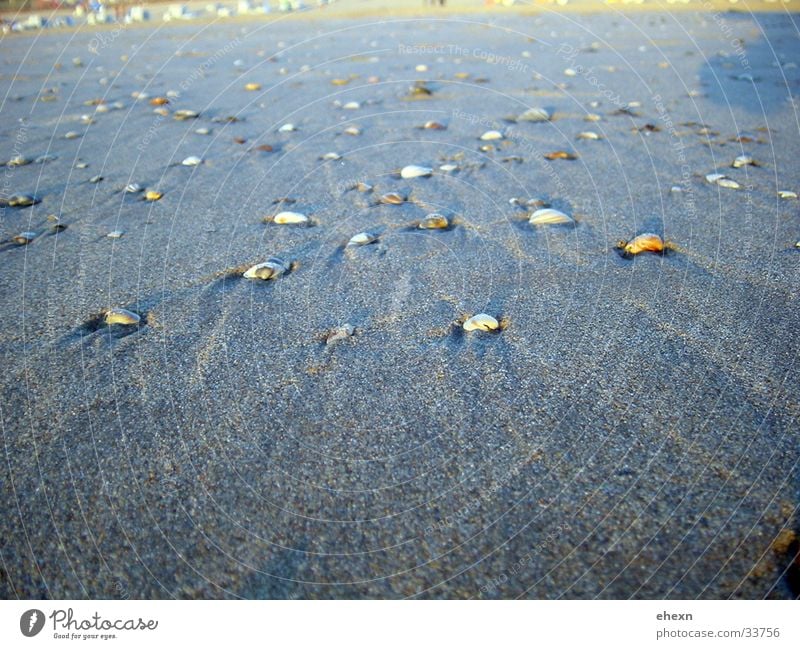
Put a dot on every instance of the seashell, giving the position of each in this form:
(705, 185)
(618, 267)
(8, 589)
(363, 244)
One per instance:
(23, 238)
(115, 234)
(743, 161)
(415, 171)
(461, 75)
(434, 126)
(363, 187)
(161, 111)
(185, 114)
(71, 135)
(352, 130)
(419, 90)
(549, 216)
(351, 105)
(331, 156)
(271, 269)
(252, 87)
(81, 165)
(287, 128)
(434, 222)
(362, 239)
(23, 200)
(42, 159)
(592, 117)
(289, 218)
(340, 82)
(492, 135)
(152, 195)
(392, 198)
(714, 178)
(159, 101)
(588, 135)
(448, 168)
(728, 183)
(95, 179)
(18, 161)
(339, 333)
(785, 193)
(421, 68)
(481, 322)
(121, 317)
(191, 161)
(535, 115)
(647, 242)
(133, 188)
(202, 131)
(560, 155)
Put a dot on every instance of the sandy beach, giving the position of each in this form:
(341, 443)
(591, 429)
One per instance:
(630, 430)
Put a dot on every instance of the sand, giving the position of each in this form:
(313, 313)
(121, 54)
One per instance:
(632, 431)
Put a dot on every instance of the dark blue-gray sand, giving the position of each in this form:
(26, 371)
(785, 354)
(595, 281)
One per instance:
(629, 429)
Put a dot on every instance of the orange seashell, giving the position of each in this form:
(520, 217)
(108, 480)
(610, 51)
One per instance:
(647, 242)
(159, 101)
(560, 155)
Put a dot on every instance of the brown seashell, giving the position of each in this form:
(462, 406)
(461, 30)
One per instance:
(159, 101)
(392, 198)
(560, 155)
(647, 242)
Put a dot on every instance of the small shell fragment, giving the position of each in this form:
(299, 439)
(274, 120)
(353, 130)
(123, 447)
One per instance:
(415, 171)
(588, 135)
(560, 155)
(786, 194)
(481, 322)
(492, 135)
(331, 155)
(647, 242)
(743, 161)
(434, 222)
(24, 238)
(549, 216)
(289, 218)
(271, 269)
(728, 183)
(191, 161)
(115, 234)
(185, 114)
(339, 333)
(361, 239)
(448, 168)
(535, 115)
(392, 198)
(121, 317)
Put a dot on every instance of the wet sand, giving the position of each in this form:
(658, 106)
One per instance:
(632, 431)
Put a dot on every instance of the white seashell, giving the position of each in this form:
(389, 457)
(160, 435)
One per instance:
(289, 218)
(287, 128)
(351, 105)
(549, 216)
(352, 130)
(743, 161)
(784, 193)
(535, 115)
(448, 168)
(727, 183)
(122, 317)
(115, 234)
(434, 222)
(202, 131)
(421, 68)
(592, 117)
(588, 135)
(332, 155)
(133, 188)
(714, 178)
(570, 72)
(71, 135)
(361, 239)
(415, 171)
(191, 161)
(492, 135)
(271, 269)
(482, 322)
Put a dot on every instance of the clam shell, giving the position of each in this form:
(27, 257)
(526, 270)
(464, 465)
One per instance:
(133, 188)
(535, 115)
(159, 101)
(121, 317)
(415, 171)
(252, 87)
(271, 269)
(18, 161)
(287, 128)
(728, 183)
(492, 135)
(202, 131)
(448, 168)
(361, 239)
(23, 238)
(71, 135)
(153, 195)
(191, 161)
(392, 198)
(332, 155)
(434, 222)
(549, 216)
(743, 161)
(784, 193)
(115, 234)
(352, 130)
(289, 218)
(22, 200)
(481, 322)
(592, 117)
(352, 105)
(434, 126)
(185, 114)
(647, 242)
(560, 155)
(588, 135)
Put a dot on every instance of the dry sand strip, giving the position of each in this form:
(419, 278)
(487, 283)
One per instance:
(524, 397)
